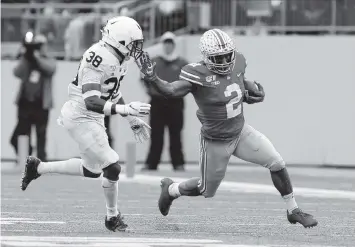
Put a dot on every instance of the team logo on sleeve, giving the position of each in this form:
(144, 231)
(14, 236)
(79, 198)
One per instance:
(210, 78)
(212, 81)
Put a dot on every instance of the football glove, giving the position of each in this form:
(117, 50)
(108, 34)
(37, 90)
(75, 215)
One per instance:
(256, 95)
(146, 67)
(141, 129)
(136, 109)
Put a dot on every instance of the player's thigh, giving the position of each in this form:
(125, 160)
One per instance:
(214, 159)
(256, 148)
(93, 144)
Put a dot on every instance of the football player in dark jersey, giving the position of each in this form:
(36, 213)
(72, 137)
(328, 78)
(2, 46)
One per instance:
(219, 89)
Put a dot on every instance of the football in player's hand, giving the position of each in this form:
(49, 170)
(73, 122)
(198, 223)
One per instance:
(254, 92)
(251, 86)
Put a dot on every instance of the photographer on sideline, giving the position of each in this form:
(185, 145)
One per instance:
(34, 100)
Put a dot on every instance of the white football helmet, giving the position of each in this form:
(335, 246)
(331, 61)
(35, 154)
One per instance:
(124, 34)
(218, 51)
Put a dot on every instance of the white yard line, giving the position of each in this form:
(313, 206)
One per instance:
(119, 242)
(16, 220)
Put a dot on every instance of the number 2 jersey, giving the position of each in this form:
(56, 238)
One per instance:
(219, 99)
(98, 66)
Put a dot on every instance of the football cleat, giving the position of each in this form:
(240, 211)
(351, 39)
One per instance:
(165, 199)
(304, 219)
(30, 172)
(116, 223)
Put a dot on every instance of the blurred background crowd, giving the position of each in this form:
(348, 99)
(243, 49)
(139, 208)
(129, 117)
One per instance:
(71, 26)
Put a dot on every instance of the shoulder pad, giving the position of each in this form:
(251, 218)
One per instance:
(100, 59)
(193, 72)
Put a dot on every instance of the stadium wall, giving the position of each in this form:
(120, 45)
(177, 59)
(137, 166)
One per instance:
(308, 111)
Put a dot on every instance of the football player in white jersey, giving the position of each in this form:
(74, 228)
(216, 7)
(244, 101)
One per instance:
(93, 94)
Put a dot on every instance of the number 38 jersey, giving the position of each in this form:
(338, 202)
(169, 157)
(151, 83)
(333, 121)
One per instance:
(97, 66)
(219, 99)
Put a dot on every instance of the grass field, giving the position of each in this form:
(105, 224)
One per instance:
(246, 211)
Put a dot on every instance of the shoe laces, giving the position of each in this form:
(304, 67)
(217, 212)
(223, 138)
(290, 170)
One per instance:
(119, 220)
(301, 213)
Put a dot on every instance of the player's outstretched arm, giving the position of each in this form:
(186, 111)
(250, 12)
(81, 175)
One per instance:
(176, 89)
(91, 93)
(96, 104)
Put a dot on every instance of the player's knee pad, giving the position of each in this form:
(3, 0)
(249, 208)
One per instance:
(89, 174)
(277, 164)
(112, 172)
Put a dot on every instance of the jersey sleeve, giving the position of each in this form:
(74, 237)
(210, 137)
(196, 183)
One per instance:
(91, 81)
(190, 74)
(91, 76)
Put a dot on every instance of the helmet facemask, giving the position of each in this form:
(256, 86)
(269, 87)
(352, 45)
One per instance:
(135, 48)
(220, 63)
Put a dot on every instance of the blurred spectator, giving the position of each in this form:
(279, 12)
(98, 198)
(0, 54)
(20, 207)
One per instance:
(124, 12)
(258, 28)
(166, 112)
(46, 24)
(15, 1)
(171, 16)
(73, 39)
(345, 15)
(167, 7)
(308, 13)
(34, 100)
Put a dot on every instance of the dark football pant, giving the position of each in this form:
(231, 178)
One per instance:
(166, 113)
(31, 114)
(251, 146)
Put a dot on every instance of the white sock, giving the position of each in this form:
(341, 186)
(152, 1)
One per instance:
(290, 202)
(174, 190)
(111, 195)
(69, 167)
